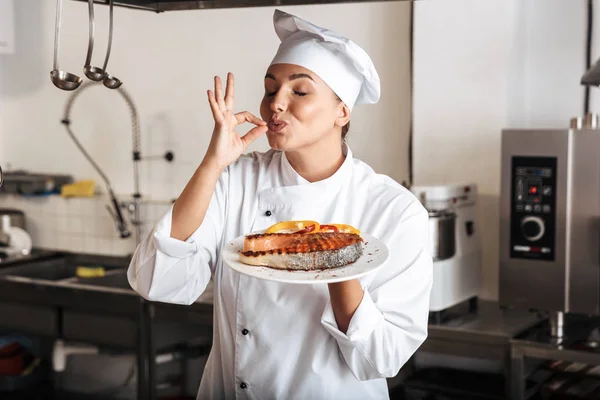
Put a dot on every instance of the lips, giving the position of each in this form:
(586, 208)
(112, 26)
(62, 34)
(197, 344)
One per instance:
(276, 125)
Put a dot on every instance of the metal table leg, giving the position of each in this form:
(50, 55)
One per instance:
(150, 351)
(506, 372)
(142, 358)
(146, 357)
(517, 372)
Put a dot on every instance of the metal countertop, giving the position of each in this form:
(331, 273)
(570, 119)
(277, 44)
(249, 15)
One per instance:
(489, 324)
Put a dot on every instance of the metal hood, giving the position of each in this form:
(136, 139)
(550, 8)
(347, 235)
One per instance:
(179, 5)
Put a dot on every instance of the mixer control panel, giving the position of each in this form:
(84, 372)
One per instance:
(533, 208)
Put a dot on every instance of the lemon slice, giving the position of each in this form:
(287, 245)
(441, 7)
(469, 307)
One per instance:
(292, 226)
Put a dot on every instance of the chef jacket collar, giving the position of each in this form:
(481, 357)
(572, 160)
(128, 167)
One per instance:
(292, 178)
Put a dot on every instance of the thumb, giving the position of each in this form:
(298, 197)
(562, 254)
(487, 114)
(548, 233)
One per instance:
(253, 134)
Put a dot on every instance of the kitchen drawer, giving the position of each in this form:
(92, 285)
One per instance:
(37, 320)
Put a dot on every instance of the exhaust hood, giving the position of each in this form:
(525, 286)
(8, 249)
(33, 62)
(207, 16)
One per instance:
(179, 5)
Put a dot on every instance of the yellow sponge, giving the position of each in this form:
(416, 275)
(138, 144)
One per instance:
(78, 189)
(89, 272)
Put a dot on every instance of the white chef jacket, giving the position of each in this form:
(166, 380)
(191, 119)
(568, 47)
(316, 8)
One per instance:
(276, 340)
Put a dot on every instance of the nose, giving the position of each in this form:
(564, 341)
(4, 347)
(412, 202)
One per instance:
(278, 102)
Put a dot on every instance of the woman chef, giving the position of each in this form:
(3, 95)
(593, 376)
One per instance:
(284, 341)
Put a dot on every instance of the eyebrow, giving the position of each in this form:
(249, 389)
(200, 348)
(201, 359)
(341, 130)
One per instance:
(292, 77)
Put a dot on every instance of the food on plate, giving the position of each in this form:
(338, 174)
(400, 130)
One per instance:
(310, 227)
(339, 228)
(299, 251)
(303, 245)
(294, 227)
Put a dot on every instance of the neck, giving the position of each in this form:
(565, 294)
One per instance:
(318, 161)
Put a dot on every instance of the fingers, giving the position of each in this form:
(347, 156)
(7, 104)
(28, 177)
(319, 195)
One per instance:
(253, 134)
(245, 116)
(229, 90)
(214, 107)
(222, 106)
(219, 94)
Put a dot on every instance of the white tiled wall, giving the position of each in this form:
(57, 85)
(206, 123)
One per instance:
(81, 225)
(170, 97)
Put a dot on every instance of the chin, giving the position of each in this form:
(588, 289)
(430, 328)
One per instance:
(278, 141)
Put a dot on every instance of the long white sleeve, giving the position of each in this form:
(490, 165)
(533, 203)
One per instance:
(391, 321)
(169, 270)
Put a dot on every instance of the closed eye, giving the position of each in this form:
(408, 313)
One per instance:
(297, 93)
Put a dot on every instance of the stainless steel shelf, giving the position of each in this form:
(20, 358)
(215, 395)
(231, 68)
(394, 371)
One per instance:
(580, 344)
(181, 5)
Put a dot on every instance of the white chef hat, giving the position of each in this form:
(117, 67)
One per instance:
(342, 64)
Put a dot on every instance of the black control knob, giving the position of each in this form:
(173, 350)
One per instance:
(533, 228)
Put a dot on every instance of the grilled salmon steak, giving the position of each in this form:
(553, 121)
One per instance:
(291, 251)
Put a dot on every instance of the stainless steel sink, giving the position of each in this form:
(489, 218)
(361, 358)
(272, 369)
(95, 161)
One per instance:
(64, 270)
(116, 279)
(58, 270)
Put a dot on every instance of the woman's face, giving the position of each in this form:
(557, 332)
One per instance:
(299, 108)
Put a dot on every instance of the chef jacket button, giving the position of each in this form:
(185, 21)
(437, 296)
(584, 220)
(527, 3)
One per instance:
(243, 385)
(245, 332)
(268, 213)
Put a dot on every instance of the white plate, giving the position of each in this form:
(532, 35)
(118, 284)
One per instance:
(375, 253)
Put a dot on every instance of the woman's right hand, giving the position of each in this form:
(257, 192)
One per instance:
(226, 145)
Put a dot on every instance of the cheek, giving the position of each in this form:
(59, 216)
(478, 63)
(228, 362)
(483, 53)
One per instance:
(308, 112)
(265, 111)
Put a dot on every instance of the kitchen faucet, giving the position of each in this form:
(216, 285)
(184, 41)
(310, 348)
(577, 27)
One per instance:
(145, 356)
(133, 207)
(115, 212)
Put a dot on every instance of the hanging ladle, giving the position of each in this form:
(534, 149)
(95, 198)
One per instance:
(94, 73)
(61, 79)
(110, 81)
